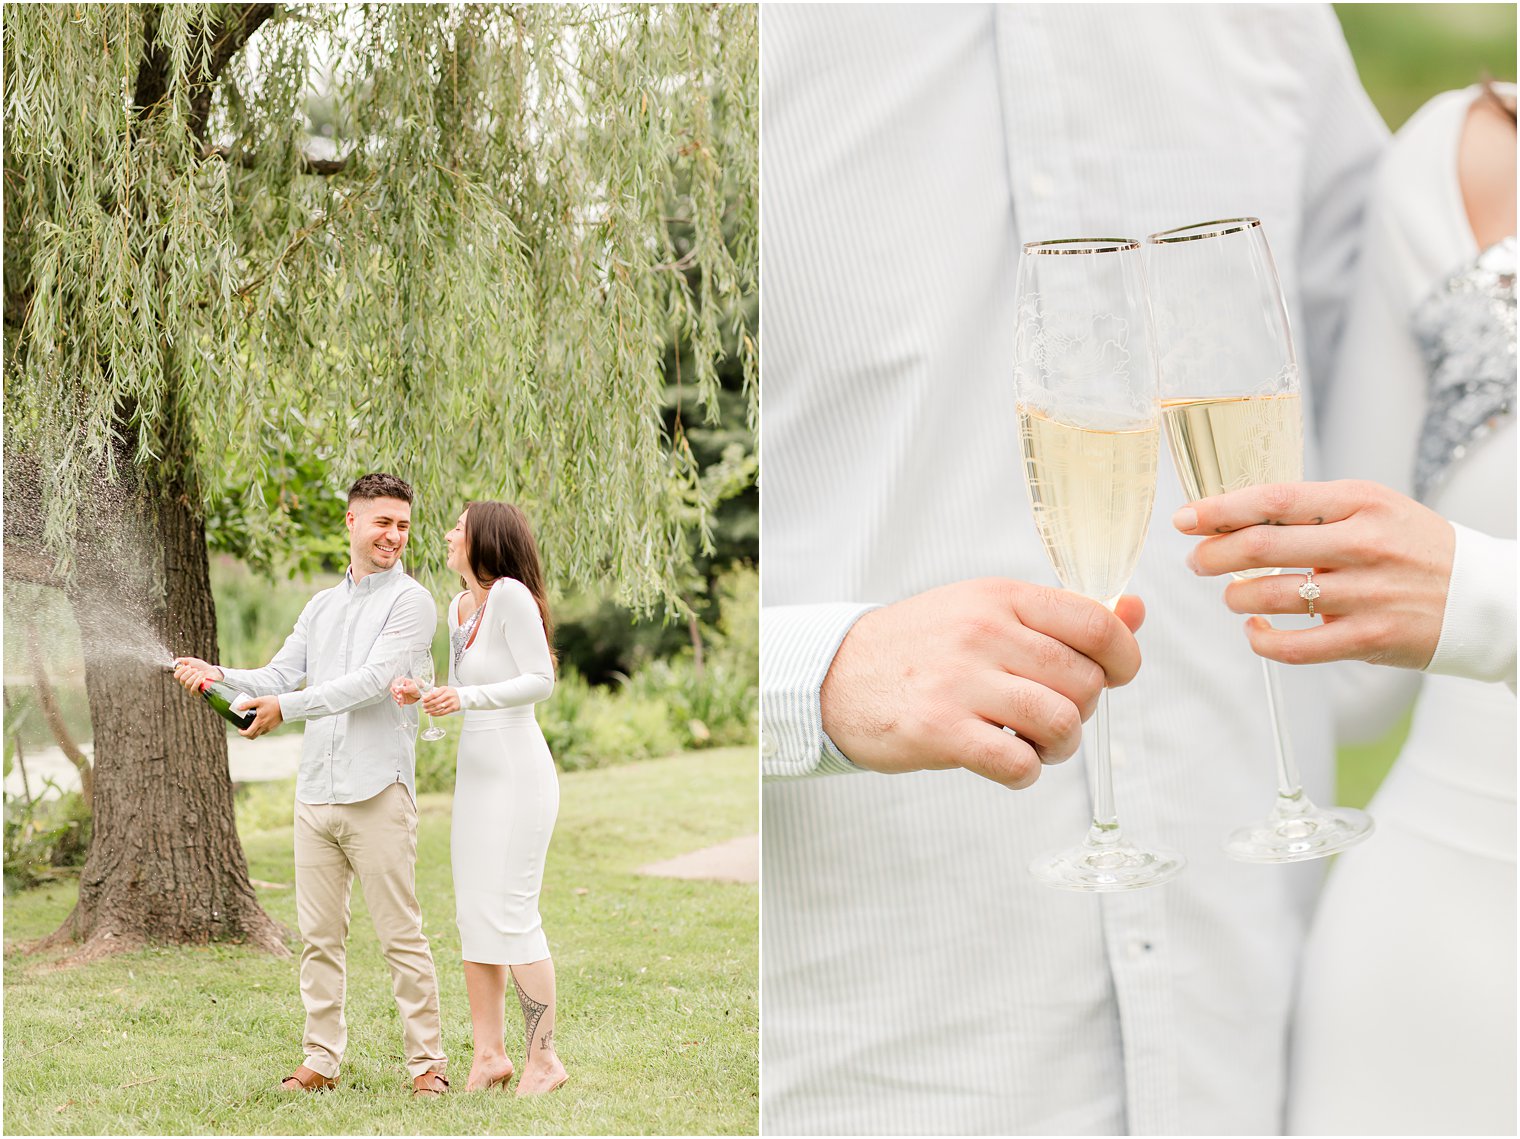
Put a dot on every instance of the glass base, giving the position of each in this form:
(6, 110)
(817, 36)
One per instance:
(1108, 867)
(1299, 831)
(434, 734)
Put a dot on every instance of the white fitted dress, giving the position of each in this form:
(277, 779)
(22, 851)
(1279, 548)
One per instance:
(1405, 1022)
(506, 790)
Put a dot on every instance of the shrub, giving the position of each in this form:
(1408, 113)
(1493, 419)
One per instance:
(44, 838)
(587, 726)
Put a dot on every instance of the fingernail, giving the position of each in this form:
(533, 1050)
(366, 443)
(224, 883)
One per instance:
(1186, 519)
(1191, 560)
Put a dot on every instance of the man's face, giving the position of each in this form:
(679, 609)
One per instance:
(377, 532)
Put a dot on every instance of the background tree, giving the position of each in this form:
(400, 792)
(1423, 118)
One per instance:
(467, 278)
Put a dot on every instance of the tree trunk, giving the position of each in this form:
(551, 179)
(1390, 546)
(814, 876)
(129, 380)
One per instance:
(165, 864)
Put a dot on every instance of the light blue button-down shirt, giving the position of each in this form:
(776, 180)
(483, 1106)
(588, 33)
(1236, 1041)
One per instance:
(345, 647)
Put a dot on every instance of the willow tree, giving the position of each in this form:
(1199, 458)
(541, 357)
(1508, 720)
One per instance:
(466, 277)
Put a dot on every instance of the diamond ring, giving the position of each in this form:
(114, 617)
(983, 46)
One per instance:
(1309, 591)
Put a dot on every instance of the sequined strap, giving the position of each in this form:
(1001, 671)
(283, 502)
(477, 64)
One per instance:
(1466, 331)
(462, 636)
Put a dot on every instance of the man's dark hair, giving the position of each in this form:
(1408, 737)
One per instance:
(379, 486)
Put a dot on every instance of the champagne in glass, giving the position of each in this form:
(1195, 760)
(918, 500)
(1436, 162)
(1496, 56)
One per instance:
(1230, 403)
(1088, 433)
(1232, 442)
(1091, 492)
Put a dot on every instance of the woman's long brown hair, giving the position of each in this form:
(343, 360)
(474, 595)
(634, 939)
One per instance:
(499, 543)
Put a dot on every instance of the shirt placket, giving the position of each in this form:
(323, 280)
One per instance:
(351, 613)
(1041, 125)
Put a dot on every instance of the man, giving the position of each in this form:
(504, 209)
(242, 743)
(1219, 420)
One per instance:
(917, 979)
(356, 807)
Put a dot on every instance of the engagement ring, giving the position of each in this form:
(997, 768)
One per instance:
(1309, 591)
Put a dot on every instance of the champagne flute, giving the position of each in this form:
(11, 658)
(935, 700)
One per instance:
(401, 670)
(1086, 386)
(422, 673)
(1230, 405)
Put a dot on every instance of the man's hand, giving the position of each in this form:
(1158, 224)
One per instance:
(441, 702)
(930, 682)
(266, 718)
(405, 691)
(192, 672)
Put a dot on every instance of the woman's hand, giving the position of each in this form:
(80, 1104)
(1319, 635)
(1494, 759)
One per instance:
(1382, 562)
(405, 691)
(441, 702)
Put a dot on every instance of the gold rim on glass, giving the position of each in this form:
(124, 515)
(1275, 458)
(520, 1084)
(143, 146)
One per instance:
(1189, 232)
(1098, 244)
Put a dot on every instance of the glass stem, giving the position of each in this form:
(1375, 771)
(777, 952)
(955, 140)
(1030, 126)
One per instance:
(1105, 824)
(1290, 790)
(427, 720)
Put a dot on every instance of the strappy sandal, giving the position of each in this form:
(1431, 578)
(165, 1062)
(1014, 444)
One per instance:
(303, 1079)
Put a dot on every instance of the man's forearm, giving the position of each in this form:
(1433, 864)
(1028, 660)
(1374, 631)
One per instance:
(409, 629)
(358, 689)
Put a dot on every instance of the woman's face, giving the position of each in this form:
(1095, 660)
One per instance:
(459, 560)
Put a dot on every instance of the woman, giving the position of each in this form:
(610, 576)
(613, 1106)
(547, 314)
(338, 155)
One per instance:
(1405, 1021)
(506, 793)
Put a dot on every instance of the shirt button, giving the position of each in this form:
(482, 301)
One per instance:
(767, 745)
(1117, 756)
(1041, 184)
(1137, 948)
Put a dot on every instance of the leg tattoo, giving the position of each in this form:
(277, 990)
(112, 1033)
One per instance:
(532, 1010)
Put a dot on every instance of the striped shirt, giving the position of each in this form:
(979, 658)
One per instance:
(349, 643)
(916, 979)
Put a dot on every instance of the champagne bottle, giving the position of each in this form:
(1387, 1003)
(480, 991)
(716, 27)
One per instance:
(222, 696)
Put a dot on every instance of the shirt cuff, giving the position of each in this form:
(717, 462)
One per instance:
(293, 706)
(1478, 626)
(798, 643)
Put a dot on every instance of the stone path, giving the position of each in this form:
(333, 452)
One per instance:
(273, 757)
(737, 860)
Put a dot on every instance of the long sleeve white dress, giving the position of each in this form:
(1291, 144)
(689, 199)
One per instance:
(1405, 1020)
(506, 790)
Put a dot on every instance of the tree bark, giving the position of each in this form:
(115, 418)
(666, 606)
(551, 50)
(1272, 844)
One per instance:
(165, 863)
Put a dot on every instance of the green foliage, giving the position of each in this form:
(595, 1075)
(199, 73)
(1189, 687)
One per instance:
(44, 838)
(586, 726)
(472, 286)
(303, 508)
(1407, 53)
(253, 617)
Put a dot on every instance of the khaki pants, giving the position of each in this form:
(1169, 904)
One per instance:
(377, 840)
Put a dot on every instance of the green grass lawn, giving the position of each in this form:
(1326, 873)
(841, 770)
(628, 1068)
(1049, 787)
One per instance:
(657, 1021)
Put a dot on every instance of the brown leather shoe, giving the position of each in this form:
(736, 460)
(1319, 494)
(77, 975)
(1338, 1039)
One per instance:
(429, 1083)
(305, 1080)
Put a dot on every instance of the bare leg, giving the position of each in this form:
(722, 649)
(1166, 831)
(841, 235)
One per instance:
(487, 987)
(535, 991)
